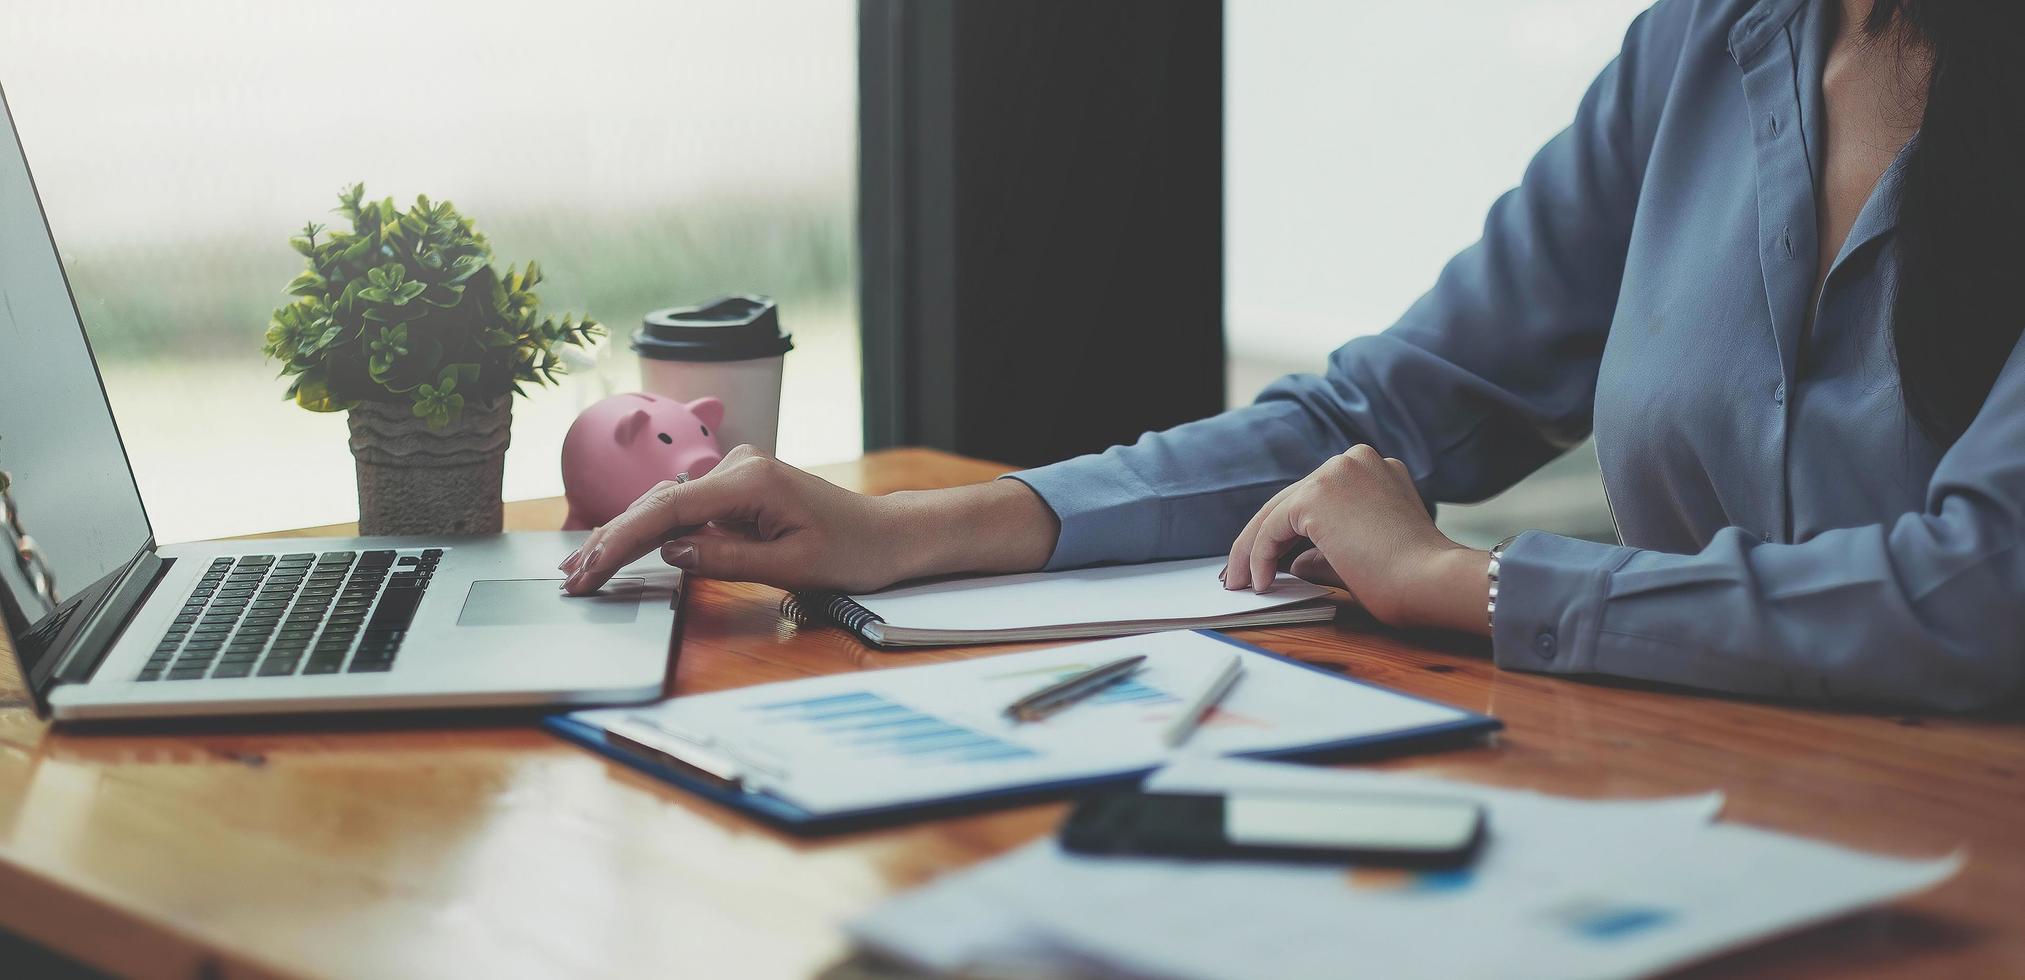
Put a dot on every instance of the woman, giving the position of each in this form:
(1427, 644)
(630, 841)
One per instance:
(1771, 265)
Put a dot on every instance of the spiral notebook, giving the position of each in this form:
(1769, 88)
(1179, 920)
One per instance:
(1115, 600)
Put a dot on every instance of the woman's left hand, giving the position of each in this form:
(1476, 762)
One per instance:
(1372, 536)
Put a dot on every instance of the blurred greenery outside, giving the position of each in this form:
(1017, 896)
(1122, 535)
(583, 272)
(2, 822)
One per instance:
(211, 297)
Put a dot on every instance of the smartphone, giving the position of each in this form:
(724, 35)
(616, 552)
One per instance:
(1399, 830)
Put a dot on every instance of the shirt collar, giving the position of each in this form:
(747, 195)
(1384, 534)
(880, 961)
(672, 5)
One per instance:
(1880, 212)
(1759, 25)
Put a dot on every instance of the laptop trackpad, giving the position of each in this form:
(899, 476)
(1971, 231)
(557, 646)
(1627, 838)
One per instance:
(538, 602)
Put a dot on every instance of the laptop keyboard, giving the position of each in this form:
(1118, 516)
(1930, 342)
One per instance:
(300, 614)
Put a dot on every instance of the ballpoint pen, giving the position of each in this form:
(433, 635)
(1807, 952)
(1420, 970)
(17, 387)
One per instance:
(1068, 691)
(1185, 723)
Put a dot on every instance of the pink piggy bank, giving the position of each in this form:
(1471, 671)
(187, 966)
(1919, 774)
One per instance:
(621, 447)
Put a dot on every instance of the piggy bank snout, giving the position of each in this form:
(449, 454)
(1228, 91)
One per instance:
(700, 463)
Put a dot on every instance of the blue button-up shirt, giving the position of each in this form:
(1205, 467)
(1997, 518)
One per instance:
(1787, 529)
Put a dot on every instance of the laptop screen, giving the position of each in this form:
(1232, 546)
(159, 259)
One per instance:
(71, 490)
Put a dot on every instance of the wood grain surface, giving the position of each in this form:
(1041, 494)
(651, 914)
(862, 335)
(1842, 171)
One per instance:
(478, 846)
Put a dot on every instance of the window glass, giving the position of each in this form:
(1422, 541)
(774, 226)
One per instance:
(1363, 145)
(645, 154)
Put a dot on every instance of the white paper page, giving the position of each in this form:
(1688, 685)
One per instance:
(1172, 590)
(1564, 889)
(853, 741)
(1208, 918)
(1219, 775)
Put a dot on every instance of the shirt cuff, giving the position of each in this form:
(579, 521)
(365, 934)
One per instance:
(1551, 592)
(1107, 513)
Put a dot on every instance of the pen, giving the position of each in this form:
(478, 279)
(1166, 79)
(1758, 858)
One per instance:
(1184, 724)
(1069, 690)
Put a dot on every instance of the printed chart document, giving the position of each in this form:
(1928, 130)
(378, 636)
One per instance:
(1564, 889)
(884, 738)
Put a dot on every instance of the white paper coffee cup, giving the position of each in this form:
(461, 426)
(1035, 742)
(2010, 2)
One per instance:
(732, 348)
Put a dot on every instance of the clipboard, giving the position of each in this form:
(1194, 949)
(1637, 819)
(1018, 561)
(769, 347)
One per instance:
(697, 764)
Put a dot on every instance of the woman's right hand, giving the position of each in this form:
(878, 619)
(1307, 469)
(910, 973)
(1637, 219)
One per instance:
(756, 519)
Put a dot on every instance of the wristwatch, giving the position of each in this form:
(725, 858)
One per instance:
(1497, 556)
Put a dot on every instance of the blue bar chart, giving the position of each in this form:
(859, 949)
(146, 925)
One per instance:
(879, 727)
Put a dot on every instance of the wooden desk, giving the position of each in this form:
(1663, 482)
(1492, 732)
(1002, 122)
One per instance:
(484, 849)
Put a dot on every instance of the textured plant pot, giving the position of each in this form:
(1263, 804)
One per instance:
(418, 480)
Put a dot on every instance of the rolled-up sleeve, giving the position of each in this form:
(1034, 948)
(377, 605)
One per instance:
(1485, 378)
(1923, 610)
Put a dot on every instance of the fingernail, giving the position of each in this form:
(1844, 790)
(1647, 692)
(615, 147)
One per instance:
(1221, 573)
(570, 584)
(591, 560)
(568, 564)
(679, 554)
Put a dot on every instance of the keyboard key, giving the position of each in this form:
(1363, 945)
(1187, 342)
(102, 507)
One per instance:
(370, 666)
(276, 668)
(397, 609)
(149, 675)
(322, 667)
(234, 669)
(185, 675)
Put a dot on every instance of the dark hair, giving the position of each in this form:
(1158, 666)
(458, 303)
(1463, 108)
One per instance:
(1961, 221)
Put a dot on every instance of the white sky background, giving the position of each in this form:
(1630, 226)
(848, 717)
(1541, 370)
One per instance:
(1365, 141)
(259, 111)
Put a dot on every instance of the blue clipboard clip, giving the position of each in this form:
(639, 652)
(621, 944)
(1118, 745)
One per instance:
(692, 752)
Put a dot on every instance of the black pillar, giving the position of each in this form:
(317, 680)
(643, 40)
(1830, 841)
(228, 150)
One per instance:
(1041, 222)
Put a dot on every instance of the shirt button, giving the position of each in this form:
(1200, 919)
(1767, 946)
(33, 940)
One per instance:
(1544, 645)
(1779, 394)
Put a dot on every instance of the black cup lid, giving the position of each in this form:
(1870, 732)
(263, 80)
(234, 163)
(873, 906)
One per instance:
(728, 328)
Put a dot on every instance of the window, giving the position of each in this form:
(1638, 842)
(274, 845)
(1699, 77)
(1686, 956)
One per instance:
(1363, 144)
(646, 154)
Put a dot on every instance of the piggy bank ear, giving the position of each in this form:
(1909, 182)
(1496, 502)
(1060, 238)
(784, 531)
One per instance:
(710, 410)
(631, 426)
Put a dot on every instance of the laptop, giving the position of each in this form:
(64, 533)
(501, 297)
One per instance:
(105, 624)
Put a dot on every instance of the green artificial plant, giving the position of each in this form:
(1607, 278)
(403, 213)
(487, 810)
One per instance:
(406, 307)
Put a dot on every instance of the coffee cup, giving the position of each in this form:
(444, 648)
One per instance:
(731, 348)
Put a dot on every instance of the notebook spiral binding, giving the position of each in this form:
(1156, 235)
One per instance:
(803, 608)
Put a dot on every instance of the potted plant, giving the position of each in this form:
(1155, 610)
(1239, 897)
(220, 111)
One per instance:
(404, 323)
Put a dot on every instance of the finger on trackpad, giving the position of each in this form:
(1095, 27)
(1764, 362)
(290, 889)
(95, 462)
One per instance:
(535, 602)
